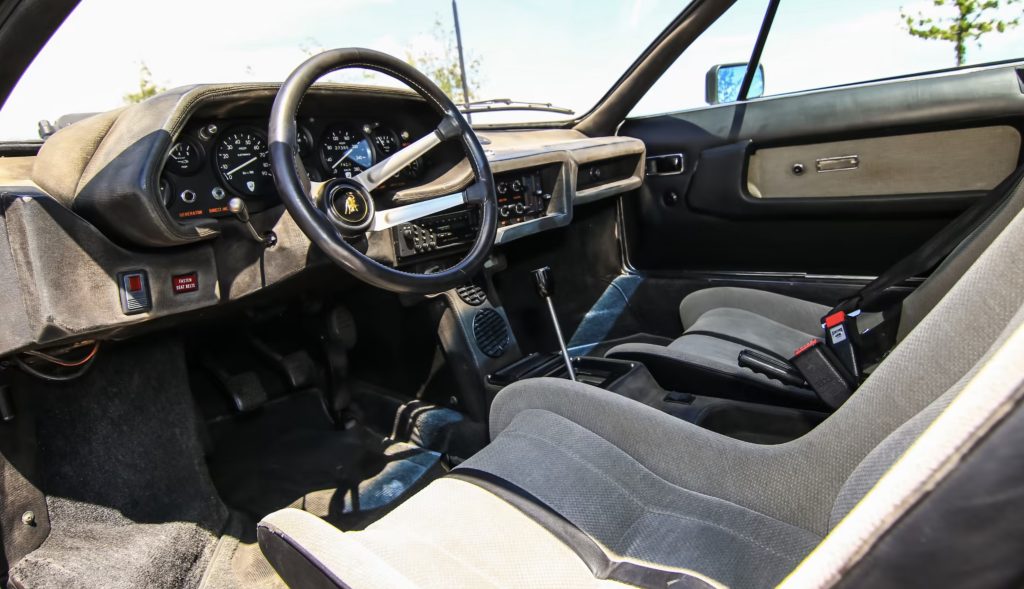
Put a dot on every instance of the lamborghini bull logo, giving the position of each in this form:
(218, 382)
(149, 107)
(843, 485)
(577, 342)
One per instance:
(351, 205)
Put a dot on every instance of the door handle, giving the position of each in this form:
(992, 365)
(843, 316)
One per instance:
(665, 165)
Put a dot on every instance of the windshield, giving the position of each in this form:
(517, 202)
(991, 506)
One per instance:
(109, 52)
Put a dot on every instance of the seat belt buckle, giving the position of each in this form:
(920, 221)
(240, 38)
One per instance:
(839, 329)
(820, 367)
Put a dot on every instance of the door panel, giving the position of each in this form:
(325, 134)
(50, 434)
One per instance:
(708, 219)
(961, 160)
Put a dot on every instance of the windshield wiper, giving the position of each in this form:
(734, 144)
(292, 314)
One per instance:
(496, 104)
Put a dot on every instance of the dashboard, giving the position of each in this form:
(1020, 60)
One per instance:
(142, 192)
(216, 159)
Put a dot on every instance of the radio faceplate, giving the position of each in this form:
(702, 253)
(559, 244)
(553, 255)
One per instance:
(436, 233)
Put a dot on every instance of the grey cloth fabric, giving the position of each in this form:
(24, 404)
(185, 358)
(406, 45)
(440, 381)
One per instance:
(754, 328)
(781, 309)
(635, 513)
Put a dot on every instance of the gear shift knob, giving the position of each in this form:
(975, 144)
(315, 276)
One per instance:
(545, 282)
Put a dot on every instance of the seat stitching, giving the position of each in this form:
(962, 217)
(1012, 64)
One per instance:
(643, 507)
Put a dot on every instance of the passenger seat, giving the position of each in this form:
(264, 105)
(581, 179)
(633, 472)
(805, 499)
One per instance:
(720, 322)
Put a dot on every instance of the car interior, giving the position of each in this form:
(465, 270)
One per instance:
(316, 334)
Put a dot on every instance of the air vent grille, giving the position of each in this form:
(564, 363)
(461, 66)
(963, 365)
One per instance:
(472, 294)
(491, 332)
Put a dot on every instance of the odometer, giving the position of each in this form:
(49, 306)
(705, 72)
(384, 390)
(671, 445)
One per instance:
(345, 151)
(243, 163)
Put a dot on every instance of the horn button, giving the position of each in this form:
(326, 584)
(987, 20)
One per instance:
(349, 206)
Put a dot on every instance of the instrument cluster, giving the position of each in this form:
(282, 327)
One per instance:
(213, 161)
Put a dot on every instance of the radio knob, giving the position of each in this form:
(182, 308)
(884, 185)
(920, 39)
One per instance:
(503, 211)
(520, 208)
(502, 188)
(517, 185)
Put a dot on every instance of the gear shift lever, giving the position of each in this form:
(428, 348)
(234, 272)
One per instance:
(545, 288)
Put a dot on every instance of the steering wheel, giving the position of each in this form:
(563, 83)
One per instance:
(329, 212)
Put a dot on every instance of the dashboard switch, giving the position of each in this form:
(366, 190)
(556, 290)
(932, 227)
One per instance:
(133, 287)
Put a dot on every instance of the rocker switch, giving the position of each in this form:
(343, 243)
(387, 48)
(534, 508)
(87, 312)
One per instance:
(134, 292)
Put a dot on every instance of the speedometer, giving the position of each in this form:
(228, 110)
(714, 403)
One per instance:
(242, 161)
(345, 151)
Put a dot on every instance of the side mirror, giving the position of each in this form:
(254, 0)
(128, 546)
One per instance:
(723, 82)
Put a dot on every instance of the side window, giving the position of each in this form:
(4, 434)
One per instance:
(814, 44)
(728, 41)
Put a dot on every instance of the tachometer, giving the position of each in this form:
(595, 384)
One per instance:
(242, 161)
(345, 150)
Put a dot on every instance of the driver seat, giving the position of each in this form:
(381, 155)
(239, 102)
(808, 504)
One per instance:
(581, 487)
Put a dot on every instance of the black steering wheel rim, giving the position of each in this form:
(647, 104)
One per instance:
(286, 165)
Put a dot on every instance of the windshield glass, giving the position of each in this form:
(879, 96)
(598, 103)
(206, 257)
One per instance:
(109, 52)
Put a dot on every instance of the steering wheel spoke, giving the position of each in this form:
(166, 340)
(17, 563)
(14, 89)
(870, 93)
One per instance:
(383, 170)
(417, 210)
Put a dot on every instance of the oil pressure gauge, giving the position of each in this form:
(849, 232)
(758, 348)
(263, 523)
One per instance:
(185, 158)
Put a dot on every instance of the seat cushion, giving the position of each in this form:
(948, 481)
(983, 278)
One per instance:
(633, 512)
(788, 311)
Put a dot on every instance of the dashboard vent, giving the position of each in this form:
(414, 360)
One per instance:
(490, 332)
(472, 294)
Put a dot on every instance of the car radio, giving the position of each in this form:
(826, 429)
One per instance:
(523, 195)
(436, 233)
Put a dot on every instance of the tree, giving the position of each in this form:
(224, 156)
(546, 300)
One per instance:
(965, 25)
(443, 66)
(147, 88)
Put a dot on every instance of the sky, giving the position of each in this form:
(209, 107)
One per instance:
(568, 52)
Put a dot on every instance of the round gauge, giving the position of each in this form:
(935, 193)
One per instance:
(304, 140)
(243, 163)
(345, 151)
(385, 141)
(184, 159)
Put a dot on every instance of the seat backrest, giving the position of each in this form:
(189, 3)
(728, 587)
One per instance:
(920, 302)
(951, 342)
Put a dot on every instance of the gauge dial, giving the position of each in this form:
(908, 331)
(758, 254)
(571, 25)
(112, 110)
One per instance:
(185, 158)
(345, 151)
(304, 140)
(242, 161)
(385, 141)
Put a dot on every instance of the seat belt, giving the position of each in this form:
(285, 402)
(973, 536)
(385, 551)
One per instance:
(835, 369)
(858, 350)
(933, 251)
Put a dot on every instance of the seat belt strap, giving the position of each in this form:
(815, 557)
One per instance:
(933, 251)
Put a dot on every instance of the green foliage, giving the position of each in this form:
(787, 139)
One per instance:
(443, 67)
(966, 24)
(147, 88)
